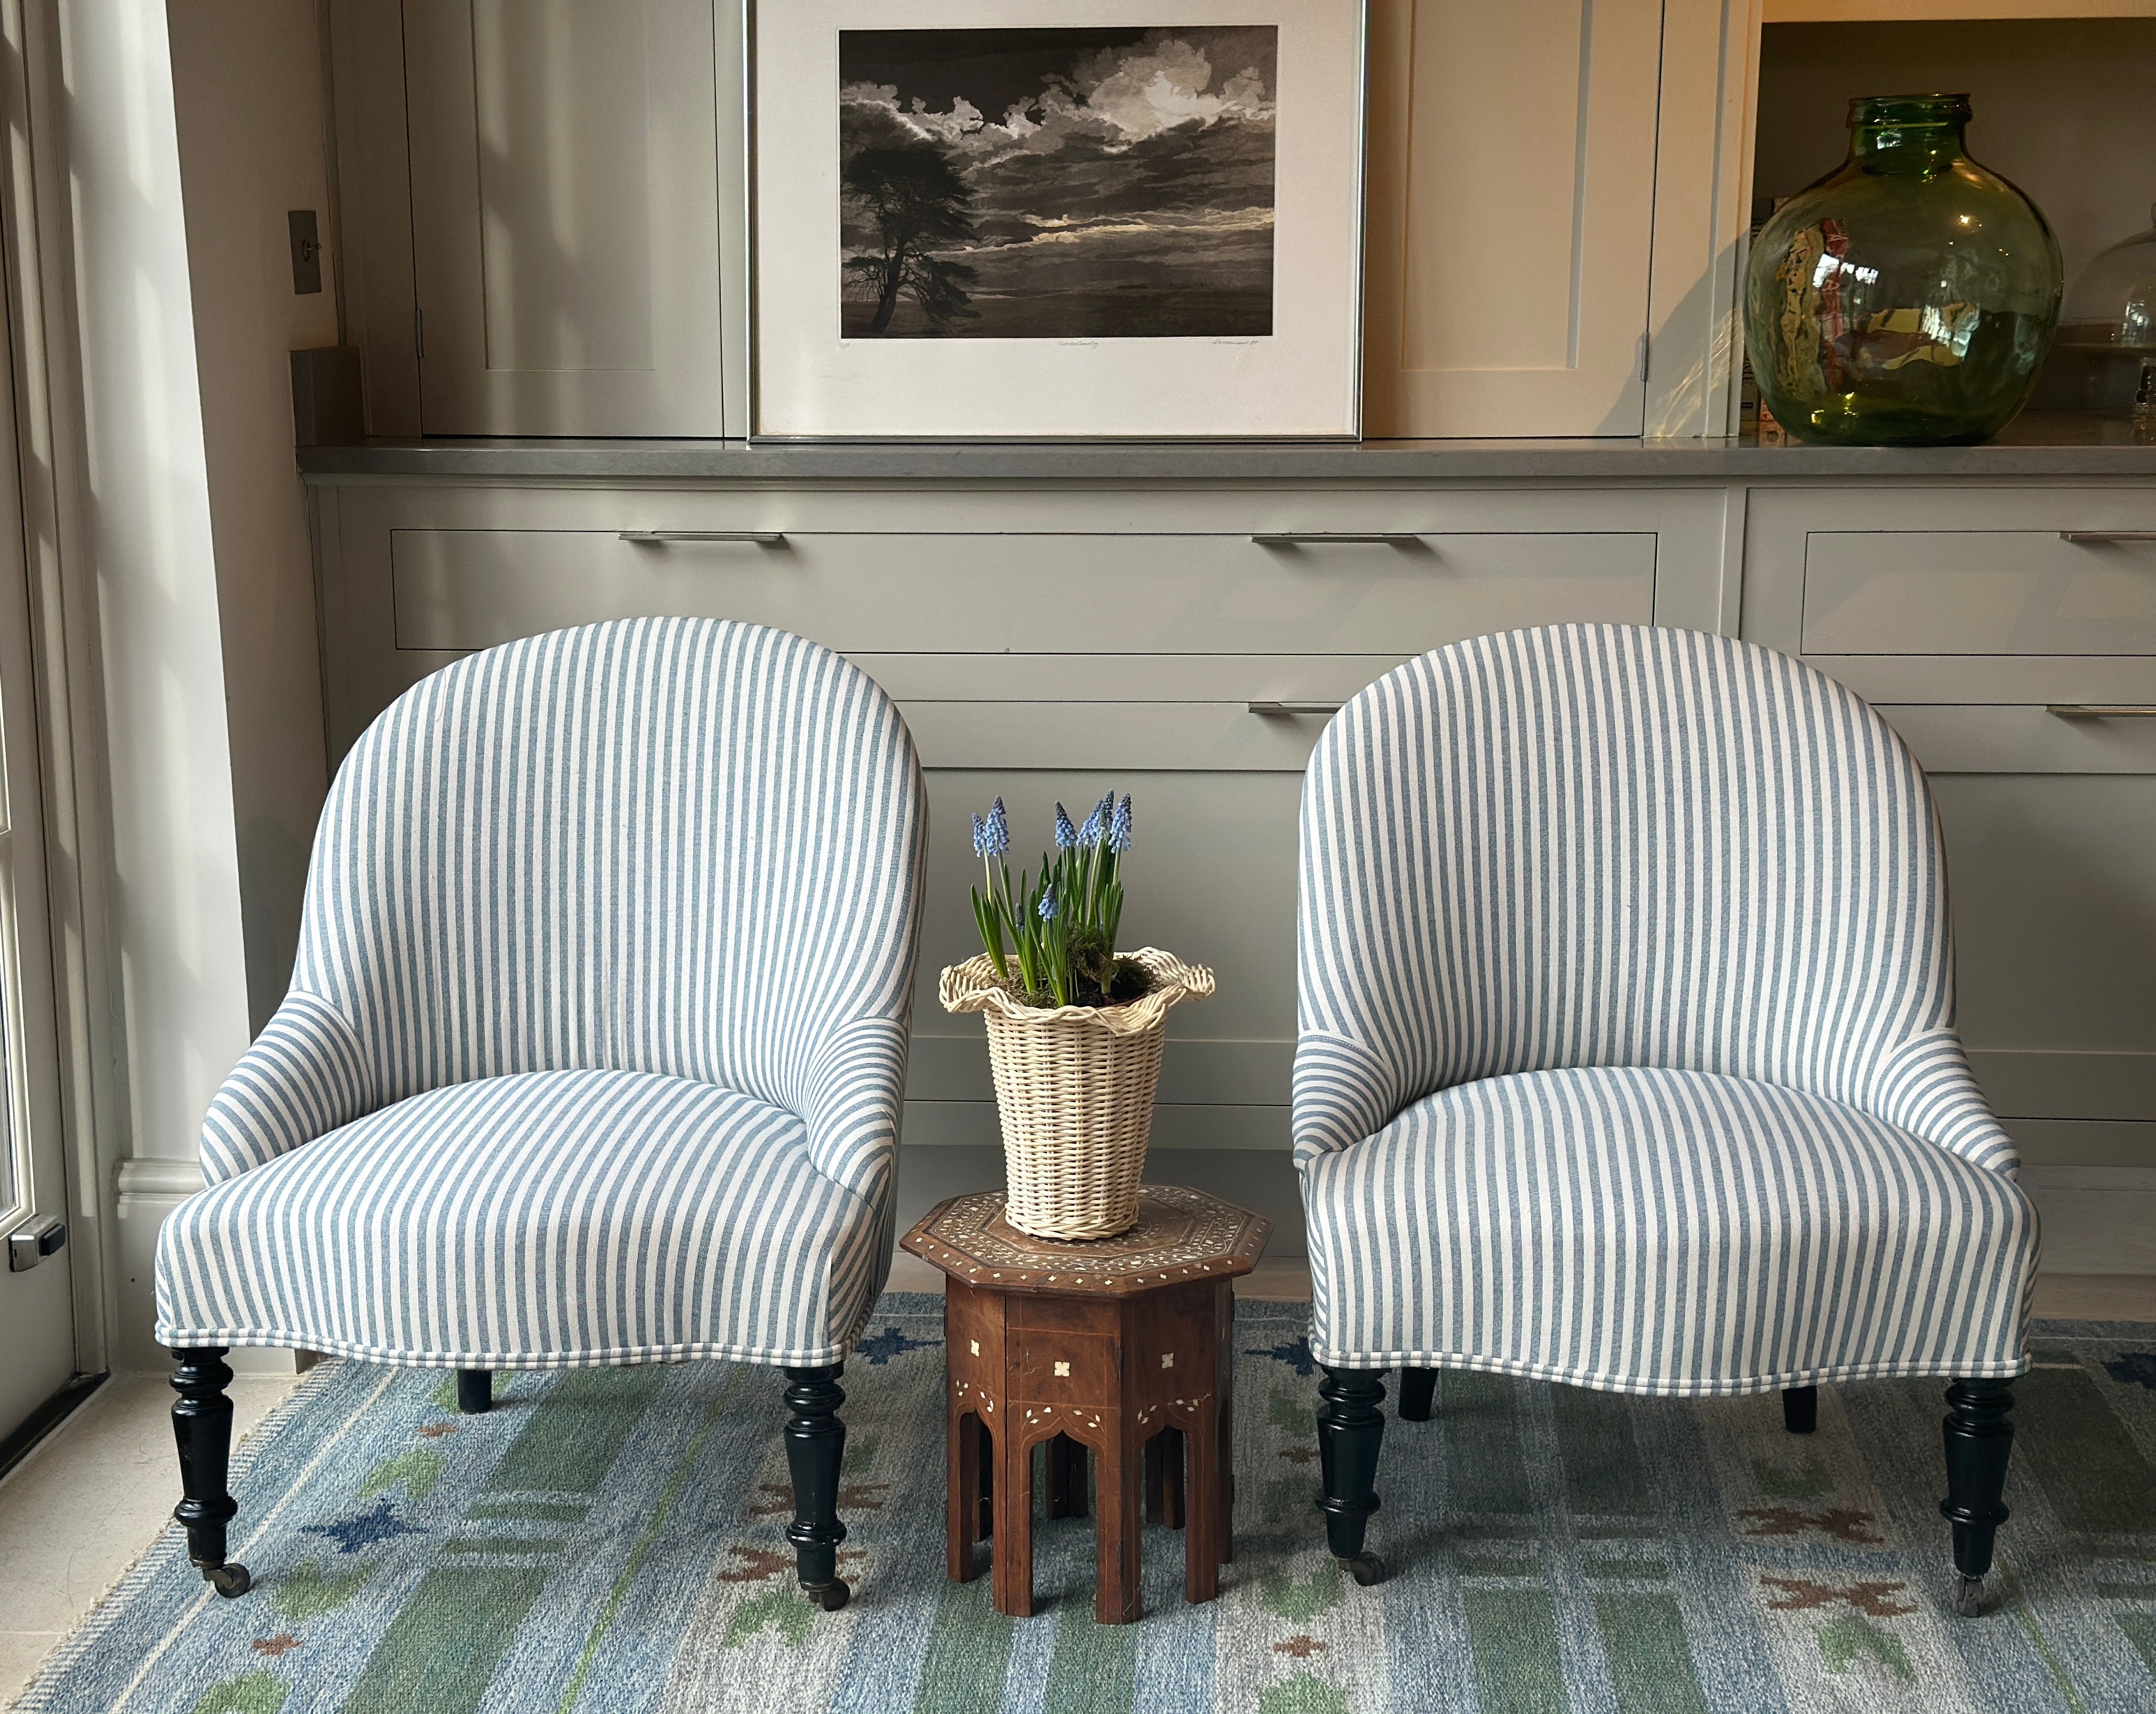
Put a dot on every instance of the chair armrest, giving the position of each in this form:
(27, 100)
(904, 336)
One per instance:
(856, 1084)
(1343, 1092)
(1926, 1088)
(305, 1075)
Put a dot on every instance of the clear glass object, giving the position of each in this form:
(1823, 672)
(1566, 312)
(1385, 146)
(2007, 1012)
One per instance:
(2110, 323)
(1908, 298)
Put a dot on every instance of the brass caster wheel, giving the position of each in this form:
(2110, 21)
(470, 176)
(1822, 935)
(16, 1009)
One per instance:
(830, 1596)
(1969, 1596)
(1366, 1568)
(230, 1580)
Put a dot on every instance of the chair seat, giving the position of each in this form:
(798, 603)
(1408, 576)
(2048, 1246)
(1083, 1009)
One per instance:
(1669, 1232)
(547, 1219)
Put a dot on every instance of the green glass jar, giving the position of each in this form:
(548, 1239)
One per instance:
(1909, 297)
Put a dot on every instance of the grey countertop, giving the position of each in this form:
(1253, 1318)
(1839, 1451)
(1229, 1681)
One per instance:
(2040, 443)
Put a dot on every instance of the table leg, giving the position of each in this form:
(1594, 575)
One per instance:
(1201, 1542)
(966, 1506)
(1013, 1554)
(1165, 1500)
(1224, 1393)
(1115, 1593)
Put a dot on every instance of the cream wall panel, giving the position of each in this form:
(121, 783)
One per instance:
(565, 216)
(1511, 198)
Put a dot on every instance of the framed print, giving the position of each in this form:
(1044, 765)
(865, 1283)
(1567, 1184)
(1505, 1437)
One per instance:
(992, 220)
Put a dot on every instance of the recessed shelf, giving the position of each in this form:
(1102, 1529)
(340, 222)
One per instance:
(1948, 11)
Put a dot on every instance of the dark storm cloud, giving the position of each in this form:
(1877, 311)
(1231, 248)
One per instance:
(1123, 163)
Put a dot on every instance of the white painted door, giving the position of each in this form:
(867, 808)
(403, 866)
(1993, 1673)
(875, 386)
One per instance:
(37, 1299)
(1512, 203)
(565, 215)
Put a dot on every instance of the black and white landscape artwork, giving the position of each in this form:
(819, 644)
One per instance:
(1056, 183)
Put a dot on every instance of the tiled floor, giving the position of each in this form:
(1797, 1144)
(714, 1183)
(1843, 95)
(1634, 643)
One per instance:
(78, 1510)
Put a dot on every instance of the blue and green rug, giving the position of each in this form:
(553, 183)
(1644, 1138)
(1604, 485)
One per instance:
(611, 1541)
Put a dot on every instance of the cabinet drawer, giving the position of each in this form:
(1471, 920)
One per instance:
(1979, 591)
(2012, 739)
(1194, 594)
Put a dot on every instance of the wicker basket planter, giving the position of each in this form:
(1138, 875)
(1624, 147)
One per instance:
(1073, 1091)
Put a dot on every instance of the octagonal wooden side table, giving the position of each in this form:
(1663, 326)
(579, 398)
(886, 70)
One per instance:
(1124, 1347)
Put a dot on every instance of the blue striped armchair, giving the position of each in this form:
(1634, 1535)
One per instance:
(593, 1048)
(1626, 1054)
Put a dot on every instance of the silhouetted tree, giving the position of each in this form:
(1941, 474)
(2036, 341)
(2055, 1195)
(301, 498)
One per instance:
(917, 200)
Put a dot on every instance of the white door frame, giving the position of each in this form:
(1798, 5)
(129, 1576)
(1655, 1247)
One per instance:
(43, 443)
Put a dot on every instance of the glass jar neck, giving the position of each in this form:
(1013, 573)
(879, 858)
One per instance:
(1917, 135)
(1897, 146)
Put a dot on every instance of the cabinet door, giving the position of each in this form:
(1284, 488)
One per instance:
(565, 215)
(1511, 200)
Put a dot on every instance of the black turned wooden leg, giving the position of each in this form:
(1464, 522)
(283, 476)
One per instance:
(1979, 1439)
(1350, 1429)
(1418, 1387)
(815, 1445)
(201, 1423)
(475, 1391)
(1801, 1410)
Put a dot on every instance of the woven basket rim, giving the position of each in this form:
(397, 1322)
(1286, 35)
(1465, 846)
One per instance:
(974, 987)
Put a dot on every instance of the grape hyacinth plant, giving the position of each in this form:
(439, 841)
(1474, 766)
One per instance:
(1060, 928)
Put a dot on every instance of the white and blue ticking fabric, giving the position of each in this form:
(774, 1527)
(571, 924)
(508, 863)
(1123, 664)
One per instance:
(596, 1032)
(1626, 1050)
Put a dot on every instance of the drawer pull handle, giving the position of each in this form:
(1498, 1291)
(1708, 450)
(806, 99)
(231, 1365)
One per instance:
(1275, 709)
(2102, 711)
(1329, 538)
(659, 538)
(2098, 537)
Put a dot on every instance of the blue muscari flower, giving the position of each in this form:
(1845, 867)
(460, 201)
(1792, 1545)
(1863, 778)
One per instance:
(990, 837)
(1094, 831)
(1119, 830)
(1066, 835)
(1048, 906)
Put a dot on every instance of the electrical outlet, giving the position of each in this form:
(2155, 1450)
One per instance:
(306, 251)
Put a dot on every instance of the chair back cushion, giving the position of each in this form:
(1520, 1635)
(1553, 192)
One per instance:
(682, 846)
(1593, 845)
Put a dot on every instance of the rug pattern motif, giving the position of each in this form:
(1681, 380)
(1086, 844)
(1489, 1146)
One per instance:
(613, 1540)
